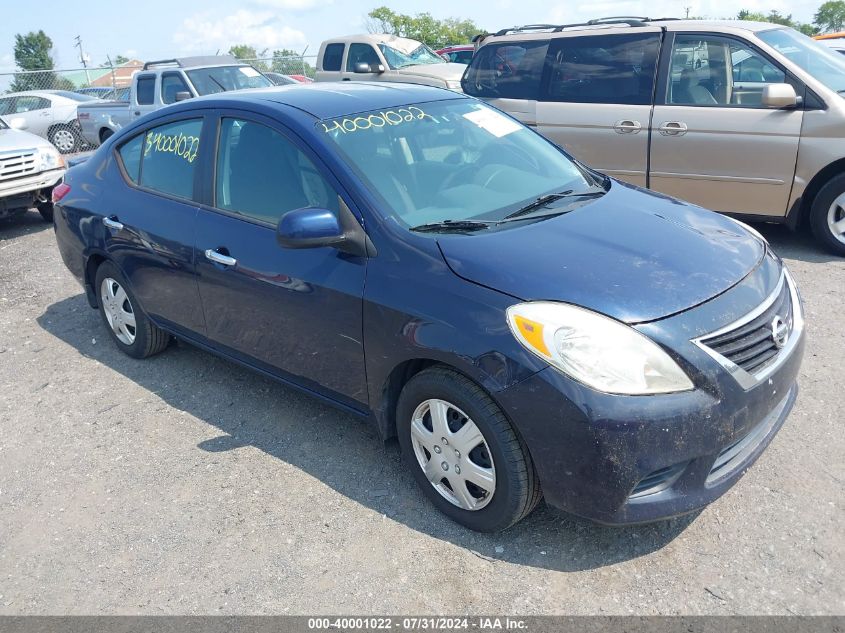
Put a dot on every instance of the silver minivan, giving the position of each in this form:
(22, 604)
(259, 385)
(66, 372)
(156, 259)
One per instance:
(741, 117)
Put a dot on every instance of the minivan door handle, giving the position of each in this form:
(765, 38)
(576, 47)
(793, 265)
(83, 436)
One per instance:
(219, 258)
(673, 128)
(112, 223)
(627, 126)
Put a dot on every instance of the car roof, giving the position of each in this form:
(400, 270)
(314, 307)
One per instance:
(376, 38)
(34, 93)
(327, 100)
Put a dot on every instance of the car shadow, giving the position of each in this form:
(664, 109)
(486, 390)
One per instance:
(26, 224)
(342, 451)
(799, 244)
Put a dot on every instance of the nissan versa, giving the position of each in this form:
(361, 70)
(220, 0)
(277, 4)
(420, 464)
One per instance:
(524, 325)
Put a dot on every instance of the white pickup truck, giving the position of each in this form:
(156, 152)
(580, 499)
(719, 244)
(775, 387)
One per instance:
(29, 169)
(381, 57)
(161, 83)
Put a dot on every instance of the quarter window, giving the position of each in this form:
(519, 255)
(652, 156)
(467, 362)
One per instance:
(146, 90)
(130, 156)
(603, 69)
(719, 72)
(262, 175)
(171, 85)
(511, 70)
(332, 57)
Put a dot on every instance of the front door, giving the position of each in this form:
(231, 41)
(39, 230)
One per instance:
(713, 143)
(294, 313)
(596, 99)
(359, 53)
(37, 113)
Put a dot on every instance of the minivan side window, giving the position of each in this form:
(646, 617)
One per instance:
(715, 71)
(333, 57)
(261, 175)
(145, 90)
(617, 69)
(509, 70)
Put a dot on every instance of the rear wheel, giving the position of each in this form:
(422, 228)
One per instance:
(827, 215)
(128, 325)
(464, 453)
(105, 133)
(64, 138)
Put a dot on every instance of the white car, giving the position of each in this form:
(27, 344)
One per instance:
(50, 114)
(29, 169)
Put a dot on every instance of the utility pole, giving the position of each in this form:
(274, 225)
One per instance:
(82, 59)
(687, 9)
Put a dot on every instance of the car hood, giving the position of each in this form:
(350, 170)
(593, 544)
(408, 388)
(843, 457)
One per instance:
(12, 140)
(448, 71)
(632, 254)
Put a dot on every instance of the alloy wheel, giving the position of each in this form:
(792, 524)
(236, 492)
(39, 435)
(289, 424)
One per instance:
(836, 218)
(118, 310)
(453, 454)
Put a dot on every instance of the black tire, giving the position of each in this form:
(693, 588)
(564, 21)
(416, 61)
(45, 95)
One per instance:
(149, 339)
(517, 489)
(105, 133)
(822, 203)
(64, 138)
(46, 211)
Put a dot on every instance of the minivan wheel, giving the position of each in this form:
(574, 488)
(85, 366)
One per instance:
(827, 216)
(463, 452)
(128, 325)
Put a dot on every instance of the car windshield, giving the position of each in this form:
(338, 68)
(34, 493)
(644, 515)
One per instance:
(422, 54)
(456, 160)
(224, 78)
(819, 61)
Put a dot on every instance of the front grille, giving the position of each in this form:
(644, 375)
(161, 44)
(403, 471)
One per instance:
(17, 164)
(751, 345)
(658, 480)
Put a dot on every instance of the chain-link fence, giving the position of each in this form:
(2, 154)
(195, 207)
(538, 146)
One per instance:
(112, 82)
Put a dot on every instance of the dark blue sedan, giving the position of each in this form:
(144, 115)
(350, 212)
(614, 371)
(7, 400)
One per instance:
(524, 326)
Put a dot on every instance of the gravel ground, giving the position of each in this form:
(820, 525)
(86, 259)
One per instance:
(186, 485)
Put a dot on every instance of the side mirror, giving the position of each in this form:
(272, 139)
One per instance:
(183, 95)
(18, 123)
(362, 68)
(779, 96)
(312, 227)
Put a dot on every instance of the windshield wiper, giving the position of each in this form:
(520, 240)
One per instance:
(543, 201)
(452, 225)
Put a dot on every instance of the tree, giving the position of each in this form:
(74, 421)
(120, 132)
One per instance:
(289, 62)
(32, 52)
(422, 26)
(245, 52)
(776, 17)
(831, 16)
(119, 60)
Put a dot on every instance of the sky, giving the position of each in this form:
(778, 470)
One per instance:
(156, 29)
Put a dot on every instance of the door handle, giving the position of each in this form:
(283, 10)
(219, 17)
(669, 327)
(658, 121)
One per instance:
(112, 223)
(219, 258)
(627, 126)
(673, 128)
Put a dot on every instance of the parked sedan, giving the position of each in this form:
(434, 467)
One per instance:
(50, 114)
(524, 325)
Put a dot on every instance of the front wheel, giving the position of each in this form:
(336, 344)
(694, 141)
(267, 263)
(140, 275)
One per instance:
(464, 453)
(128, 325)
(827, 215)
(46, 211)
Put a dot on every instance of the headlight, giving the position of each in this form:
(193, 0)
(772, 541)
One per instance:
(594, 349)
(50, 158)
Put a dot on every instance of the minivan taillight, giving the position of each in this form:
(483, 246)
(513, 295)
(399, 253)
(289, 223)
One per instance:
(60, 191)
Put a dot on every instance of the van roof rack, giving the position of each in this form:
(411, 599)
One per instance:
(608, 21)
(187, 62)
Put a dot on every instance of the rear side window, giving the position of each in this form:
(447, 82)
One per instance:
(510, 70)
(146, 89)
(164, 158)
(333, 57)
(603, 69)
(262, 175)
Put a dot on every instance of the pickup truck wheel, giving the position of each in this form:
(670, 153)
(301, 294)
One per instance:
(64, 138)
(128, 325)
(46, 211)
(105, 133)
(827, 215)
(463, 452)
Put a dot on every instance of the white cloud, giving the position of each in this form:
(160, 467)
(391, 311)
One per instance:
(714, 9)
(206, 33)
(294, 5)
(7, 63)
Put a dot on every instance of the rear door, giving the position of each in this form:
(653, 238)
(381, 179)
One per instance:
(596, 99)
(713, 143)
(145, 95)
(331, 62)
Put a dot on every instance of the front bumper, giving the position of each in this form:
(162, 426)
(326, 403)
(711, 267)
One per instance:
(635, 459)
(18, 187)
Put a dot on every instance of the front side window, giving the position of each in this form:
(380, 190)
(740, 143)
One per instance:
(332, 57)
(415, 54)
(603, 69)
(820, 62)
(510, 70)
(451, 160)
(361, 54)
(719, 72)
(262, 175)
(171, 85)
(224, 78)
(145, 88)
